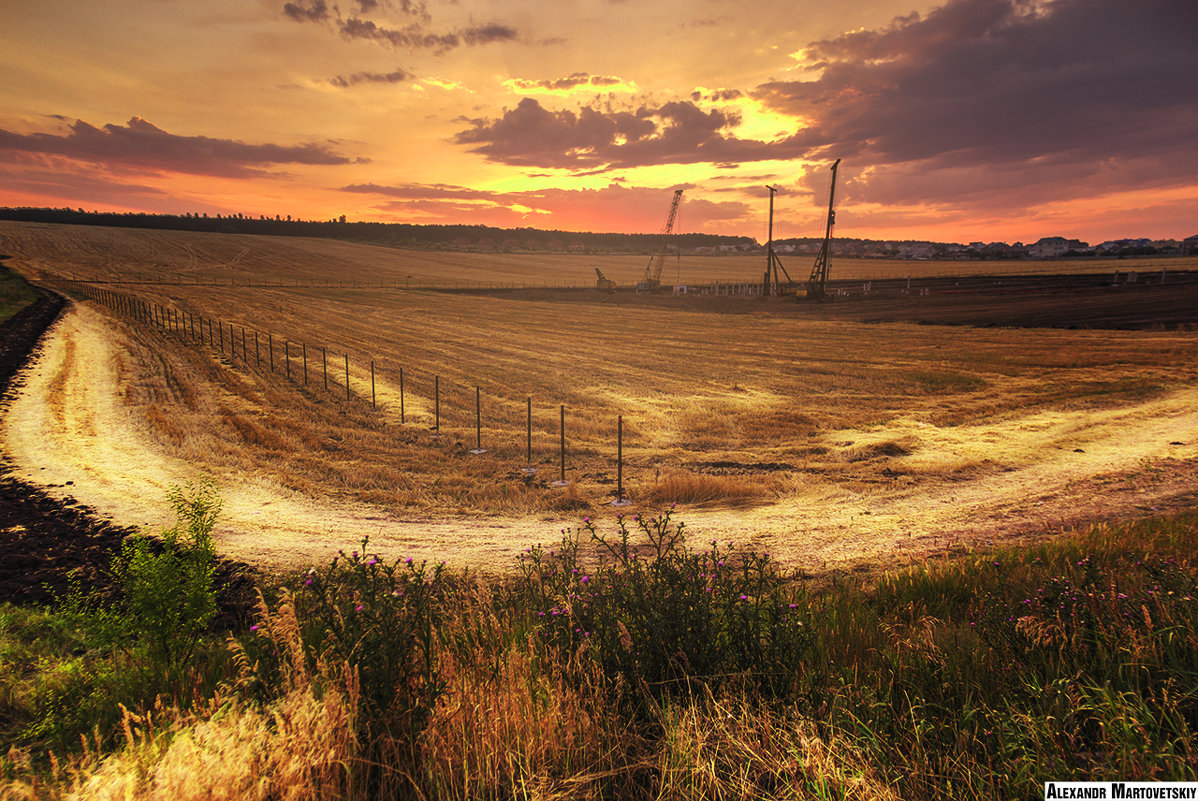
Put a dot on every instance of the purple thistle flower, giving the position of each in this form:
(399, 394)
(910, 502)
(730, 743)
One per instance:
(408, 561)
(358, 608)
(255, 627)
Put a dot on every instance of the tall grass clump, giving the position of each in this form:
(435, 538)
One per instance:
(371, 626)
(632, 664)
(662, 616)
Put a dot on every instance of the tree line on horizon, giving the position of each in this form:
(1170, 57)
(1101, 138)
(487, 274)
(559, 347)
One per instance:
(455, 237)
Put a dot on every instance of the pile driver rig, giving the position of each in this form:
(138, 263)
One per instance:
(817, 284)
(652, 280)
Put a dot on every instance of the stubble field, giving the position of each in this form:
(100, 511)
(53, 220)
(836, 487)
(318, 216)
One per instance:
(828, 440)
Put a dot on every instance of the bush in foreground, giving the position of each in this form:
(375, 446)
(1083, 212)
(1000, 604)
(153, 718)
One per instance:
(657, 672)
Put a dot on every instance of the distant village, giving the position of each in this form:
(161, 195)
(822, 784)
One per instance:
(1049, 247)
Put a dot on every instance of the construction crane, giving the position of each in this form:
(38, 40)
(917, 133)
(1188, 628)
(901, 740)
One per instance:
(817, 285)
(603, 282)
(652, 280)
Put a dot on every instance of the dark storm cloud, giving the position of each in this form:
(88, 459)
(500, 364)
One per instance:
(977, 102)
(572, 81)
(718, 96)
(677, 132)
(421, 191)
(140, 144)
(1090, 92)
(413, 34)
(410, 36)
(307, 10)
(346, 81)
(486, 34)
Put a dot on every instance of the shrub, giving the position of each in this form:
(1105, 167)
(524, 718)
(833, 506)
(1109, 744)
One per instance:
(662, 614)
(166, 595)
(367, 629)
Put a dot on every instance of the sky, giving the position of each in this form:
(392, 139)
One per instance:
(962, 121)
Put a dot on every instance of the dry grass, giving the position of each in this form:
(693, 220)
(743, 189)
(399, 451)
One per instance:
(692, 387)
(94, 252)
(681, 486)
(735, 749)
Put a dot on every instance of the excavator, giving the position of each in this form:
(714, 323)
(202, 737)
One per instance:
(603, 282)
(652, 280)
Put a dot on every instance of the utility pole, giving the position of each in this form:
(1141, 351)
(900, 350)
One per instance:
(769, 283)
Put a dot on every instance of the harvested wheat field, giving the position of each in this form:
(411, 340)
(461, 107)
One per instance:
(826, 441)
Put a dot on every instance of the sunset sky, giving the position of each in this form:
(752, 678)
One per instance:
(957, 121)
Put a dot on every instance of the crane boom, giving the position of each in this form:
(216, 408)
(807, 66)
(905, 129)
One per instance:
(816, 287)
(658, 261)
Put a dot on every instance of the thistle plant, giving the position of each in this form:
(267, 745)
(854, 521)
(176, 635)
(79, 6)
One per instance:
(656, 612)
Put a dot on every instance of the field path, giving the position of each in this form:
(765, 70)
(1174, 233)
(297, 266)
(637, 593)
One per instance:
(69, 424)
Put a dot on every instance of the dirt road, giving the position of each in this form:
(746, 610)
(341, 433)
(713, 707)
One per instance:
(67, 429)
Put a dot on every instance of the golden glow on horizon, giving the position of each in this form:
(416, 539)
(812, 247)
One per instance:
(414, 119)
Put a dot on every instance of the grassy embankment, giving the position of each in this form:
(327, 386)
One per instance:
(667, 671)
(15, 294)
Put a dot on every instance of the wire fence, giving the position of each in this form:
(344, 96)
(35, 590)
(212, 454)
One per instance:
(268, 354)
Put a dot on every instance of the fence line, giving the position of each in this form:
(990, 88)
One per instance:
(185, 325)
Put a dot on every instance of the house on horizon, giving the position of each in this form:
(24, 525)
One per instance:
(1050, 247)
